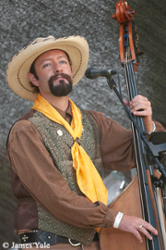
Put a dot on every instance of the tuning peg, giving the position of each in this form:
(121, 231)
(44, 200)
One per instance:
(138, 52)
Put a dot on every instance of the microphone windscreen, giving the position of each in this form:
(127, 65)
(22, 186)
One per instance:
(87, 73)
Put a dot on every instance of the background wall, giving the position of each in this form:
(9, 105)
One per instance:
(22, 21)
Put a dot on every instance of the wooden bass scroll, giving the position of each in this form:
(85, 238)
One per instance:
(140, 197)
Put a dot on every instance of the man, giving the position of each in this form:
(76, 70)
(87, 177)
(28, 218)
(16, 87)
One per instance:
(56, 151)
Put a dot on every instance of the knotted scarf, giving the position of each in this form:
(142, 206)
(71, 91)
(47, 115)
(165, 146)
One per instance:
(88, 178)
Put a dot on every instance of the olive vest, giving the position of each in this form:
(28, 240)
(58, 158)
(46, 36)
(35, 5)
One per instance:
(58, 142)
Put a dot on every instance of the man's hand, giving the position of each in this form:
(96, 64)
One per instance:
(141, 106)
(133, 225)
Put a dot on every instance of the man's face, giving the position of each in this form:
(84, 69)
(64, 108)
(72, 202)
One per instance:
(54, 73)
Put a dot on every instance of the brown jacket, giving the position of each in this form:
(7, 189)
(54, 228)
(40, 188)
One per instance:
(34, 171)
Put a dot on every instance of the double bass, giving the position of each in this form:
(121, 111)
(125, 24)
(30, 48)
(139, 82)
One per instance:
(143, 196)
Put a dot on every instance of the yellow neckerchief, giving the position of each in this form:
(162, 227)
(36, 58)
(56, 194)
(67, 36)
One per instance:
(88, 178)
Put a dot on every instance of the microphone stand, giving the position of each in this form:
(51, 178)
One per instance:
(151, 149)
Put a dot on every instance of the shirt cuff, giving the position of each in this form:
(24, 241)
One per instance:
(109, 218)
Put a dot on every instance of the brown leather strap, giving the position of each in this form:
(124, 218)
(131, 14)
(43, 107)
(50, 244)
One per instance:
(38, 236)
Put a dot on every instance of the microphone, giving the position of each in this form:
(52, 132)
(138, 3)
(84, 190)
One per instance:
(92, 73)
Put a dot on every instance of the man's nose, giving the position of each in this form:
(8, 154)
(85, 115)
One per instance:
(57, 68)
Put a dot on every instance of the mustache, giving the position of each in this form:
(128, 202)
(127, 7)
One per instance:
(55, 77)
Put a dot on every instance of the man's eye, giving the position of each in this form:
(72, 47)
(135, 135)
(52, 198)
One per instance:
(46, 65)
(63, 62)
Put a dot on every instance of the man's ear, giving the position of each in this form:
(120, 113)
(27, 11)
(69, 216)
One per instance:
(33, 80)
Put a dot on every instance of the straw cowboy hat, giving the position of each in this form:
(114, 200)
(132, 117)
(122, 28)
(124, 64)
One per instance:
(18, 68)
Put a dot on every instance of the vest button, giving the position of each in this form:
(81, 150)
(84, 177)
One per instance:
(59, 132)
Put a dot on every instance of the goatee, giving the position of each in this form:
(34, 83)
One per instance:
(63, 88)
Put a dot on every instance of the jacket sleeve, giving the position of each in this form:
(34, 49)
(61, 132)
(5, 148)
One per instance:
(117, 148)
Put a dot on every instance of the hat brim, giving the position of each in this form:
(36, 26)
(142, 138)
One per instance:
(18, 68)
